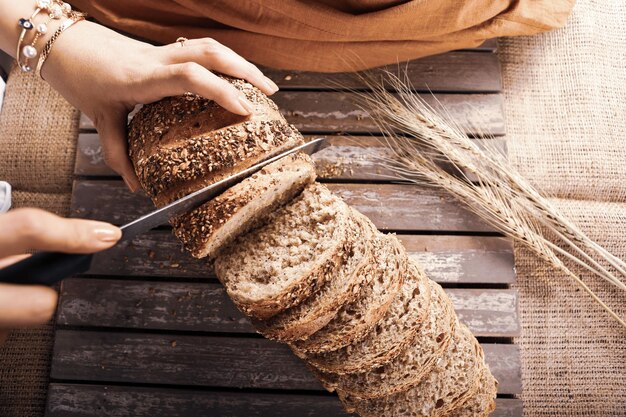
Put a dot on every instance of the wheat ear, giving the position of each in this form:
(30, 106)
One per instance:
(421, 139)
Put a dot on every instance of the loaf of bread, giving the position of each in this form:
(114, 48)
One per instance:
(181, 144)
(305, 267)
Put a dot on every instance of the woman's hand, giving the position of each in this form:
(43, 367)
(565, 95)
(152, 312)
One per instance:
(24, 229)
(105, 74)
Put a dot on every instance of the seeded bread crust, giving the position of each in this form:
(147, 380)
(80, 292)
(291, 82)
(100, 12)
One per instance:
(205, 230)
(452, 381)
(483, 402)
(315, 312)
(410, 367)
(353, 321)
(262, 288)
(391, 336)
(181, 144)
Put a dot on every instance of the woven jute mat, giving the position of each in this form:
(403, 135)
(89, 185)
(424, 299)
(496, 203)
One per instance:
(38, 132)
(565, 103)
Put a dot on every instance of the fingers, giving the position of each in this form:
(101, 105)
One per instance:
(215, 56)
(112, 130)
(176, 79)
(26, 229)
(25, 305)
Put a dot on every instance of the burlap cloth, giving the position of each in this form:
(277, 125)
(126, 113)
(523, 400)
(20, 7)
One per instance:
(38, 131)
(565, 103)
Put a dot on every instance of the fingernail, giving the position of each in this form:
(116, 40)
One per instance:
(271, 85)
(131, 185)
(247, 106)
(108, 235)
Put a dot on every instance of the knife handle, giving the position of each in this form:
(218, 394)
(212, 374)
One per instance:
(45, 268)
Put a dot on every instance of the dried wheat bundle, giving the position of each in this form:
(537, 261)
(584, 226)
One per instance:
(423, 141)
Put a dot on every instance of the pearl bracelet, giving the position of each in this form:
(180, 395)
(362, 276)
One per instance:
(55, 9)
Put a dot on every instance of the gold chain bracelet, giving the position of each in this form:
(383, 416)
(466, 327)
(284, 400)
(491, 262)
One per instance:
(45, 52)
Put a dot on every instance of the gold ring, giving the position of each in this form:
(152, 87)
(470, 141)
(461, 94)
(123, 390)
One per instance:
(182, 41)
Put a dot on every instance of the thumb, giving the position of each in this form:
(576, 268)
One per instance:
(112, 130)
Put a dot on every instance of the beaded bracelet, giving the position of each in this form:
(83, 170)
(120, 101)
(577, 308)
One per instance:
(45, 52)
(56, 9)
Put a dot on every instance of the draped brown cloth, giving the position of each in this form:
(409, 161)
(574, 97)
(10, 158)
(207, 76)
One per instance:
(331, 35)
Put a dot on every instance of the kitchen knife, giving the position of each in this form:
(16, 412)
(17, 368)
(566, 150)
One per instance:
(48, 268)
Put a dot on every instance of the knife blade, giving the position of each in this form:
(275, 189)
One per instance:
(47, 268)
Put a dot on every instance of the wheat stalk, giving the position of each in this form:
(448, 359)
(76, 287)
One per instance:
(421, 139)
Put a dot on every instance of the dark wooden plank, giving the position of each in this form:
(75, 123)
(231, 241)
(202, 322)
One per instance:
(206, 307)
(399, 207)
(347, 158)
(458, 71)
(337, 112)
(209, 361)
(463, 259)
(86, 400)
(450, 259)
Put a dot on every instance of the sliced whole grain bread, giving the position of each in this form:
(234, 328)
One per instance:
(451, 382)
(353, 321)
(181, 144)
(412, 365)
(316, 311)
(483, 402)
(277, 266)
(390, 337)
(215, 224)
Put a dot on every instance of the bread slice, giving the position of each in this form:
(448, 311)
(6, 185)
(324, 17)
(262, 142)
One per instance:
(390, 337)
(316, 311)
(484, 400)
(215, 224)
(452, 381)
(353, 321)
(279, 265)
(410, 367)
(181, 144)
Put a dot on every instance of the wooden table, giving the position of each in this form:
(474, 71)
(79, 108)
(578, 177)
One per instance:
(149, 331)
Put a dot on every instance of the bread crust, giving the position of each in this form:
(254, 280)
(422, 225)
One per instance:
(337, 333)
(200, 228)
(394, 376)
(366, 354)
(412, 401)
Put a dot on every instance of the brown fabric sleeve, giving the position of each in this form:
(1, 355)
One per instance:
(332, 36)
